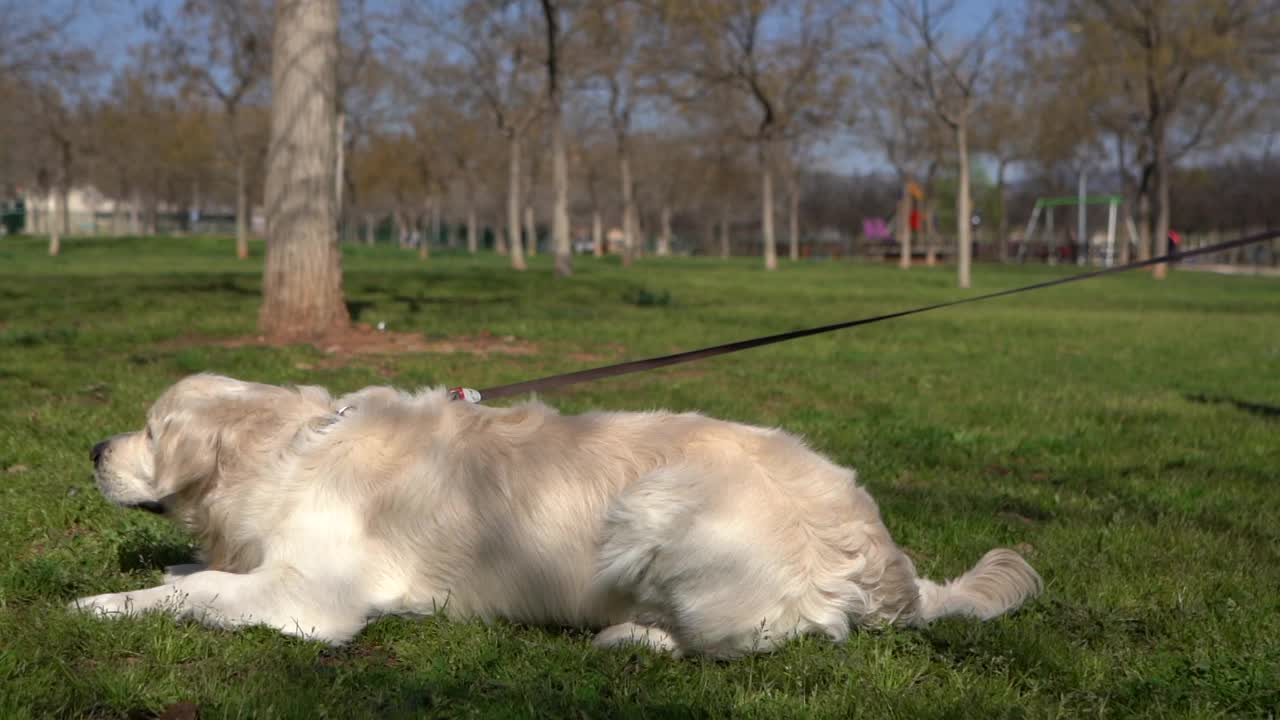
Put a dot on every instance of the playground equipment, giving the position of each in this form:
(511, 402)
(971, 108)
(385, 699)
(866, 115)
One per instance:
(909, 219)
(1046, 205)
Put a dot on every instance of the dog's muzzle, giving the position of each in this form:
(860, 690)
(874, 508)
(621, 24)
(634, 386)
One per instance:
(96, 453)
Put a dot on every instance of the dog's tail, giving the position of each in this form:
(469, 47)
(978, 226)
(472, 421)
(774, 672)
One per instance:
(1000, 582)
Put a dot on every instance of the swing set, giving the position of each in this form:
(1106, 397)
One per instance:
(1045, 206)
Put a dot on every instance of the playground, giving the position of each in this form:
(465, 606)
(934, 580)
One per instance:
(1134, 467)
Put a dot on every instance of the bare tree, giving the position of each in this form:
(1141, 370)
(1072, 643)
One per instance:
(1007, 131)
(58, 103)
(364, 91)
(779, 54)
(223, 49)
(32, 34)
(1172, 75)
(58, 123)
(499, 59)
(553, 16)
(46, 77)
(302, 282)
(150, 142)
(950, 76)
(466, 151)
(623, 40)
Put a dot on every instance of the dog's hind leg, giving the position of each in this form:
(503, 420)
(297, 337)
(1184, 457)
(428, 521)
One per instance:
(690, 570)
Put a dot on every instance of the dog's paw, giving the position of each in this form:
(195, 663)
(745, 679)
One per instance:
(106, 605)
(628, 633)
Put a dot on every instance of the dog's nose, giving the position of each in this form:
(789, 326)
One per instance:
(96, 453)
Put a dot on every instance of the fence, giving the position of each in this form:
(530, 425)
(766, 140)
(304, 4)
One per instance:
(1261, 259)
(99, 224)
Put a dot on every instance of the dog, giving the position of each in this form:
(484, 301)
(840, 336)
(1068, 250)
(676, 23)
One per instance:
(675, 531)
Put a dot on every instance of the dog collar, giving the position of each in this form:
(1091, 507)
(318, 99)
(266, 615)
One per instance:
(459, 393)
(464, 393)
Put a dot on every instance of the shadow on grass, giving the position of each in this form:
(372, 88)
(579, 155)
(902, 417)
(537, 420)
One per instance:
(1110, 495)
(1269, 412)
(289, 678)
(147, 552)
(355, 308)
(415, 303)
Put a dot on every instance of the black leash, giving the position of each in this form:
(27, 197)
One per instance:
(633, 366)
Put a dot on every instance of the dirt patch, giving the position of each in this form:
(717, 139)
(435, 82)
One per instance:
(53, 540)
(611, 351)
(363, 339)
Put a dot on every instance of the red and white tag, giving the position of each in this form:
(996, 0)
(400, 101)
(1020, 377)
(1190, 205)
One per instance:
(463, 393)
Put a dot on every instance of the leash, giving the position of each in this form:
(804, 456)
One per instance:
(634, 366)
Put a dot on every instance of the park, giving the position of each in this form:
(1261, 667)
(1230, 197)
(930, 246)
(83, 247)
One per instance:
(1119, 433)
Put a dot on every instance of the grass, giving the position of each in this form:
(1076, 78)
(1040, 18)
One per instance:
(1122, 431)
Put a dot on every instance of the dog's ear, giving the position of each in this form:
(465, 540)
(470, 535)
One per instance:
(186, 450)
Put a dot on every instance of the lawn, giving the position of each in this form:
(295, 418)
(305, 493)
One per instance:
(1124, 433)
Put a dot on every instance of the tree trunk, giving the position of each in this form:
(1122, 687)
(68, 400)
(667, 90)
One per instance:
(369, 229)
(436, 223)
(1144, 223)
(302, 281)
(152, 221)
(664, 236)
(1161, 238)
(642, 235)
(930, 233)
(340, 164)
(724, 231)
(597, 234)
(513, 204)
(904, 228)
(1002, 229)
(55, 229)
(560, 244)
(766, 207)
(135, 213)
(473, 234)
(64, 216)
(629, 220)
(560, 186)
(530, 231)
(402, 229)
(964, 252)
(64, 196)
(118, 219)
(793, 215)
(242, 207)
(1130, 236)
(424, 240)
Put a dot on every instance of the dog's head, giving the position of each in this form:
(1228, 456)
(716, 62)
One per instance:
(199, 430)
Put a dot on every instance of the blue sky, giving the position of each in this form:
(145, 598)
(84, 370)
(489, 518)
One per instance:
(112, 26)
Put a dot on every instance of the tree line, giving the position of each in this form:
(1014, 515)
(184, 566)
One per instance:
(614, 121)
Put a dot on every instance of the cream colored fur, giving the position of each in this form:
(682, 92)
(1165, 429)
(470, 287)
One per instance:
(676, 530)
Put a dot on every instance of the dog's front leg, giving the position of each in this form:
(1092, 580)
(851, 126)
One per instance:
(173, 572)
(278, 598)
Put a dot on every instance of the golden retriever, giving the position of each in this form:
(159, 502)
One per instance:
(678, 531)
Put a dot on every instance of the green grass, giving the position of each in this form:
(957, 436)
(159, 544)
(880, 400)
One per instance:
(1070, 421)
